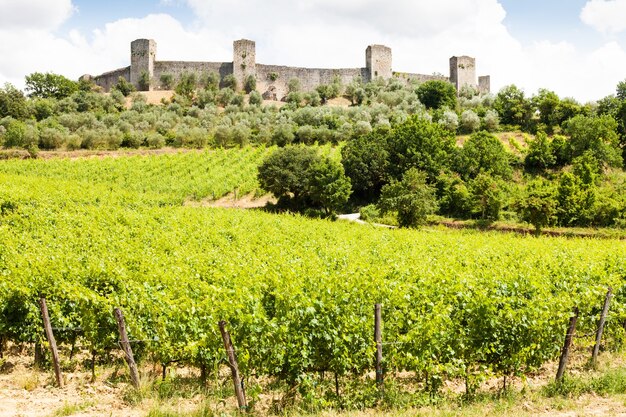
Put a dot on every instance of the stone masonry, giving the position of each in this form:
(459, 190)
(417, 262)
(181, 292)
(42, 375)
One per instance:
(272, 80)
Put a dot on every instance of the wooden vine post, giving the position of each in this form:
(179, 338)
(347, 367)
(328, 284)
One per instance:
(378, 338)
(605, 311)
(234, 368)
(51, 341)
(569, 336)
(125, 345)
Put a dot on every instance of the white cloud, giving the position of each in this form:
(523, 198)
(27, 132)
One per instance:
(34, 14)
(606, 16)
(324, 33)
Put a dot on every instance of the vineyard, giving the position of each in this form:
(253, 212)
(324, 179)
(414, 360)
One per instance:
(297, 294)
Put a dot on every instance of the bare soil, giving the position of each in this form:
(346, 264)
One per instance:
(27, 392)
(94, 153)
(248, 201)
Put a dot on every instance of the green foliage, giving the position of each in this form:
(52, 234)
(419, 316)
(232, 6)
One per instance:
(412, 198)
(366, 162)
(449, 120)
(186, 85)
(255, 98)
(296, 293)
(547, 102)
(421, 144)
(513, 107)
(486, 197)
(293, 85)
(470, 122)
(329, 185)
(167, 81)
(249, 84)
(594, 134)
(123, 86)
(286, 172)
(50, 85)
(301, 178)
(144, 81)
(453, 196)
(540, 155)
(210, 81)
(483, 153)
(230, 81)
(491, 121)
(575, 200)
(436, 94)
(538, 205)
(13, 103)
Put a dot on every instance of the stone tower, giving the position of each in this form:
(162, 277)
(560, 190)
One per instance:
(378, 62)
(484, 84)
(244, 61)
(462, 71)
(142, 55)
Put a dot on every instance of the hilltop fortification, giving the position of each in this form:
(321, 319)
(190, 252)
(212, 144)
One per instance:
(272, 80)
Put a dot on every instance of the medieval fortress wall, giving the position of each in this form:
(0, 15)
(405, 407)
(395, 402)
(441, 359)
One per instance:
(272, 80)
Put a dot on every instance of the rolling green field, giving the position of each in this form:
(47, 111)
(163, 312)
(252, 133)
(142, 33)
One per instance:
(298, 294)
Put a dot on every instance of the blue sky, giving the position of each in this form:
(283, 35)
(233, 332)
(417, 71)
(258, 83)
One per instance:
(574, 47)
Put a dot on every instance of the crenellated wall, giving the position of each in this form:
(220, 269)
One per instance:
(272, 80)
(178, 68)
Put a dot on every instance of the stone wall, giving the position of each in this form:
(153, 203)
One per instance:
(109, 79)
(177, 68)
(273, 79)
(419, 78)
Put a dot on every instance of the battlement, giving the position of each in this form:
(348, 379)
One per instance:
(145, 72)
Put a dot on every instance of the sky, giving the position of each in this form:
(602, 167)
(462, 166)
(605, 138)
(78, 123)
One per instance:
(576, 48)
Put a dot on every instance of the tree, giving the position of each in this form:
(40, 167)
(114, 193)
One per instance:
(419, 143)
(540, 154)
(538, 205)
(249, 84)
(547, 102)
(255, 98)
(123, 86)
(13, 103)
(449, 120)
(186, 85)
(470, 122)
(50, 85)
(513, 107)
(491, 121)
(596, 134)
(210, 81)
(329, 185)
(483, 153)
(299, 177)
(412, 198)
(575, 201)
(453, 196)
(487, 197)
(167, 81)
(366, 162)
(230, 81)
(294, 86)
(144, 81)
(435, 94)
